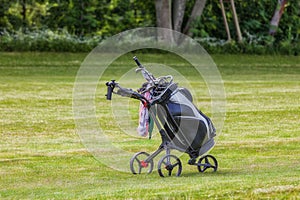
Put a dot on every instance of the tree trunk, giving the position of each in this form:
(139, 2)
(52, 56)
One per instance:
(163, 19)
(225, 21)
(276, 17)
(170, 15)
(23, 13)
(196, 12)
(178, 14)
(236, 22)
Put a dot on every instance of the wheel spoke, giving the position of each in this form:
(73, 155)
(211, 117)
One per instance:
(208, 165)
(170, 172)
(206, 160)
(177, 163)
(137, 160)
(205, 168)
(166, 163)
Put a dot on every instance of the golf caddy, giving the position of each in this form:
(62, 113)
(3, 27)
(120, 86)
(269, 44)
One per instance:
(181, 125)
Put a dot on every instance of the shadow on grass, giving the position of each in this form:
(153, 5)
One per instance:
(221, 172)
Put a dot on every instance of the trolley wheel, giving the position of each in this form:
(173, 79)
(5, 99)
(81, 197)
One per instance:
(138, 164)
(207, 162)
(167, 164)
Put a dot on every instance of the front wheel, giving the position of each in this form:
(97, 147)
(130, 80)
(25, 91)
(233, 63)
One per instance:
(207, 162)
(139, 165)
(167, 164)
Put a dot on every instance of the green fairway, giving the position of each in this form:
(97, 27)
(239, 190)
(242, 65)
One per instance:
(42, 156)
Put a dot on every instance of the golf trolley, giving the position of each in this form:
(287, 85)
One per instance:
(181, 125)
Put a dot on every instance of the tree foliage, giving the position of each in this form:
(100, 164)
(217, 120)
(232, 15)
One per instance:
(254, 17)
(104, 18)
(79, 17)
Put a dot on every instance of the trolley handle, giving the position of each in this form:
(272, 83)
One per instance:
(110, 88)
(125, 92)
(137, 62)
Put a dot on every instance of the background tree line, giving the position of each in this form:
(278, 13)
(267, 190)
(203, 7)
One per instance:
(89, 21)
(78, 17)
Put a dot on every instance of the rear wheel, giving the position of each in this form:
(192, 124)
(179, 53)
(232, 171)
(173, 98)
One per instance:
(207, 162)
(169, 164)
(138, 165)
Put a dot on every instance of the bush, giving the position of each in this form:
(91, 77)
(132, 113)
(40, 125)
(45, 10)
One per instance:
(254, 45)
(62, 41)
(46, 40)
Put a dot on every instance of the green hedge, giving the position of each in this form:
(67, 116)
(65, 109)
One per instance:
(62, 41)
(261, 47)
(46, 40)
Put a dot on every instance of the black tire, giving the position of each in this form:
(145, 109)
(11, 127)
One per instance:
(137, 163)
(167, 164)
(207, 162)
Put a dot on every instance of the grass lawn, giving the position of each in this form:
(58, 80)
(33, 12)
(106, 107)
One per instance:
(42, 156)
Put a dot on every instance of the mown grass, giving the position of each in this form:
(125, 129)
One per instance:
(42, 157)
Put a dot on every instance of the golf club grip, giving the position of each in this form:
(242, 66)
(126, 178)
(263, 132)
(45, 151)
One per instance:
(137, 61)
